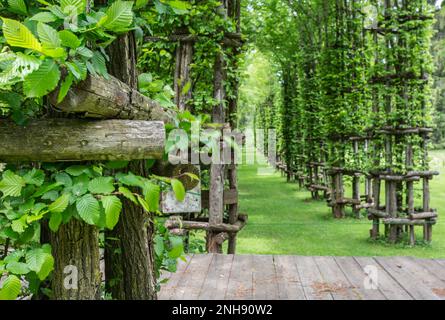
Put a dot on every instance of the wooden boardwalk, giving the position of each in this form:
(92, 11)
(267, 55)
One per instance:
(239, 277)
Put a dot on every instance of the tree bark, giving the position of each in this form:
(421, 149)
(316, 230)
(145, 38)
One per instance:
(184, 57)
(101, 98)
(75, 248)
(129, 253)
(52, 140)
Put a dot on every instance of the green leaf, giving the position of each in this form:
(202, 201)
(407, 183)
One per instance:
(89, 209)
(19, 225)
(64, 179)
(45, 17)
(60, 204)
(113, 208)
(55, 221)
(65, 87)
(69, 39)
(48, 36)
(11, 288)
(119, 16)
(17, 35)
(34, 177)
(11, 184)
(40, 261)
(98, 65)
(16, 267)
(180, 5)
(178, 189)
(128, 194)
(102, 185)
(152, 194)
(76, 170)
(143, 203)
(73, 6)
(43, 80)
(18, 6)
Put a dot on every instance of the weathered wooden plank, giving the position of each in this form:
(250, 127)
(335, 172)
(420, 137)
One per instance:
(51, 140)
(169, 289)
(101, 98)
(240, 285)
(230, 197)
(311, 279)
(411, 284)
(194, 277)
(389, 287)
(356, 276)
(265, 286)
(288, 279)
(217, 279)
(434, 267)
(335, 280)
(423, 275)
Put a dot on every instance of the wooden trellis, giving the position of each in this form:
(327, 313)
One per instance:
(403, 144)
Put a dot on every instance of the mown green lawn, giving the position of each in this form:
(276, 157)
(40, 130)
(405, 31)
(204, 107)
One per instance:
(283, 220)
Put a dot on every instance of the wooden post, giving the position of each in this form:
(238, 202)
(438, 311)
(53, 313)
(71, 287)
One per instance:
(182, 85)
(233, 209)
(356, 183)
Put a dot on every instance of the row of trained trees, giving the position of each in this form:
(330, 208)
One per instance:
(88, 92)
(356, 104)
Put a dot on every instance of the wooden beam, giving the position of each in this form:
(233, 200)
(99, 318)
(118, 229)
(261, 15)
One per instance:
(51, 140)
(101, 98)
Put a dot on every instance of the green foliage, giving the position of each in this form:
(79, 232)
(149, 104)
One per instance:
(58, 193)
(55, 38)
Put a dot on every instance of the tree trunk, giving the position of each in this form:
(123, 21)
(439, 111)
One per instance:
(129, 258)
(75, 248)
(76, 275)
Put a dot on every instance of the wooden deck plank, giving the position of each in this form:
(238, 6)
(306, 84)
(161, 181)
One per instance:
(440, 261)
(240, 285)
(335, 280)
(434, 267)
(217, 280)
(194, 278)
(415, 288)
(288, 279)
(311, 279)
(356, 276)
(174, 279)
(389, 287)
(265, 285)
(294, 277)
(423, 275)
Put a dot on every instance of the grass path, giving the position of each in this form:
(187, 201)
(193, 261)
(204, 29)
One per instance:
(283, 220)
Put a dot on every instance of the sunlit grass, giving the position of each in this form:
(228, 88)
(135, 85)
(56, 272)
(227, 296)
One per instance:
(283, 220)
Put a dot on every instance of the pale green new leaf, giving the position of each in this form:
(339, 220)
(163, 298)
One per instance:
(55, 221)
(16, 267)
(11, 184)
(73, 6)
(60, 204)
(128, 194)
(119, 16)
(102, 185)
(45, 17)
(113, 208)
(88, 209)
(17, 35)
(43, 80)
(178, 189)
(11, 288)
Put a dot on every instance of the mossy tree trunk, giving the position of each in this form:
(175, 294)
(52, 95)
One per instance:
(128, 252)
